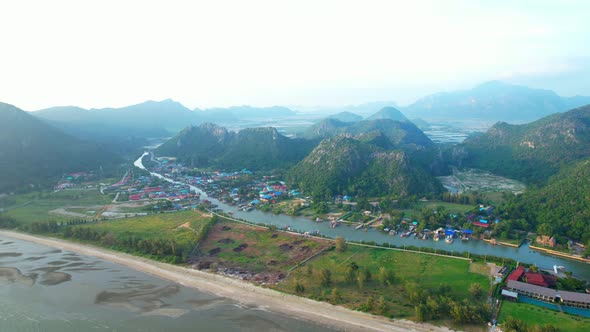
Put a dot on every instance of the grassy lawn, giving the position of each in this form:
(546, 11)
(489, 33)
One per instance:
(257, 250)
(158, 226)
(41, 203)
(451, 207)
(534, 315)
(427, 272)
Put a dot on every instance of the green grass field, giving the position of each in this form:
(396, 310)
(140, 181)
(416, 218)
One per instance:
(158, 226)
(41, 203)
(428, 272)
(535, 316)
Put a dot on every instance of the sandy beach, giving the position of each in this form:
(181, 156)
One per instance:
(240, 291)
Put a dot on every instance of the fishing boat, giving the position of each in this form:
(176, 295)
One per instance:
(449, 239)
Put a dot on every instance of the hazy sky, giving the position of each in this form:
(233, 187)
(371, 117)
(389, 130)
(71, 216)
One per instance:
(221, 53)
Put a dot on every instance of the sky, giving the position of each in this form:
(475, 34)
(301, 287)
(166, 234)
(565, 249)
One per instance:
(310, 53)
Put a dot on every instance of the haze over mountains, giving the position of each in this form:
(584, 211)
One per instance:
(495, 101)
(33, 152)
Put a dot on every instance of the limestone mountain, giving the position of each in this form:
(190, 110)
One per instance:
(35, 153)
(530, 152)
(390, 113)
(346, 117)
(345, 164)
(402, 134)
(209, 145)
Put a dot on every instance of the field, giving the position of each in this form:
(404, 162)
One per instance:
(533, 316)
(481, 181)
(255, 253)
(39, 205)
(183, 227)
(422, 271)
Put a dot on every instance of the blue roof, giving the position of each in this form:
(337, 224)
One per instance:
(255, 202)
(449, 231)
(483, 221)
(467, 231)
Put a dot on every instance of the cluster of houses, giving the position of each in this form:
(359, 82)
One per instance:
(541, 286)
(143, 187)
(485, 218)
(72, 180)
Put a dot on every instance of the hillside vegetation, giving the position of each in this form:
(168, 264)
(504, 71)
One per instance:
(33, 153)
(530, 152)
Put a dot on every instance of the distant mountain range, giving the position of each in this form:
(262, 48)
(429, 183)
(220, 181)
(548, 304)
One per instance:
(32, 153)
(530, 152)
(495, 101)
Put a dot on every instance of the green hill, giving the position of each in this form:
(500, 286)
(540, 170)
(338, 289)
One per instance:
(35, 153)
(530, 152)
(402, 134)
(562, 207)
(390, 113)
(209, 145)
(345, 164)
(346, 117)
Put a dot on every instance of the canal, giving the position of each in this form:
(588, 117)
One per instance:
(523, 253)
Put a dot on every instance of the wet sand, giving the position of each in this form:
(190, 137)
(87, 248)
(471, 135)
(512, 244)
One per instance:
(243, 292)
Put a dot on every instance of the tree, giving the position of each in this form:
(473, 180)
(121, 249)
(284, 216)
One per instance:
(368, 275)
(310, 269)
(385, 276)
(421, 312)
(514, 325)
(475, 290)
(299, 288)
(340, 244)
(381, 306)
(350, 274)
(325, 278)
(335, 296)
(360, 280)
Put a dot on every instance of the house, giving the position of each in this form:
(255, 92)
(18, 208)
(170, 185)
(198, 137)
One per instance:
(537, 292)
(546, 240)
(573, 299)
(516, 274)
(540, 279)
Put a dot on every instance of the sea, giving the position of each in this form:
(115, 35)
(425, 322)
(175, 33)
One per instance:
(48, 289)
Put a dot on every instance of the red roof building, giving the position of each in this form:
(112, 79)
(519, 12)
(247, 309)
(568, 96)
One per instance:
(540, 279)
(516, 274)
(481, 224)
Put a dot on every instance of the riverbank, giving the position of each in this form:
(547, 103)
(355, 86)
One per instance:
(243, 292)
(506, 244)
(560, 254)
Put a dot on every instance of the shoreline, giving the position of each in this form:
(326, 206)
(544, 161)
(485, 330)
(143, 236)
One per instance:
(560, 254)
(321, 313)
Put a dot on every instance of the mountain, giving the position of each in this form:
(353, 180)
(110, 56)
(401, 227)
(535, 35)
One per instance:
(361, 109)
(33, 152)
(530, 152)
(401, 134)
(236, 113)
(344, 164)
(495, 101)
(390, 113)
(148, 119)
(561, 207)
(346, 117)
(209, 145)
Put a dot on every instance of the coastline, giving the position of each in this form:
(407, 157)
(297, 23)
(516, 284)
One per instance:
(320, 312)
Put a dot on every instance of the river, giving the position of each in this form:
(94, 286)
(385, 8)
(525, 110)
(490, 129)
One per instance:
(47, 289)
(523, 253)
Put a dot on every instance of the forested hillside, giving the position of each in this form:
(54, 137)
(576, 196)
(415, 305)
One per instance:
(32, 153)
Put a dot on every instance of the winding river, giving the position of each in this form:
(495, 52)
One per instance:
(523, 253)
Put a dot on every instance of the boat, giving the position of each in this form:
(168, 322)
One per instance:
(449, 239)
(435, 237)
